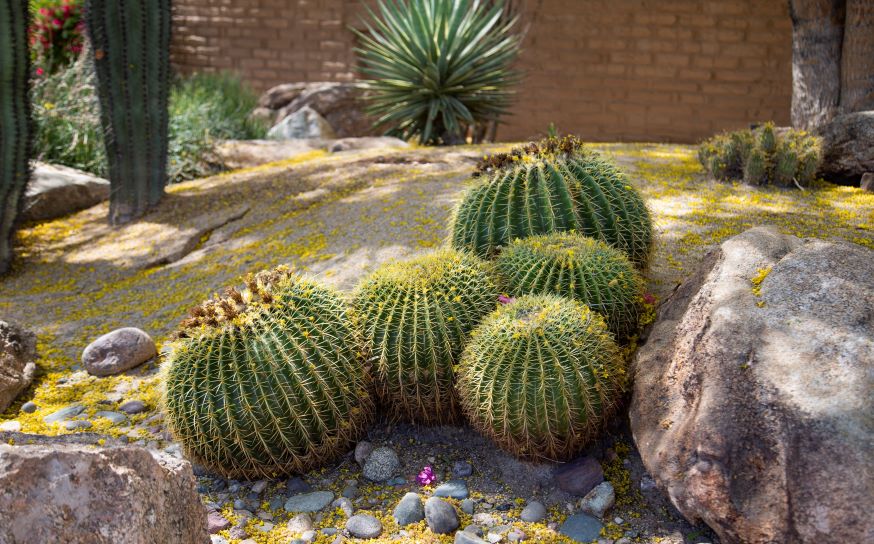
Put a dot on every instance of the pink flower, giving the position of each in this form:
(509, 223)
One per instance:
(40, 71)
(504, 299)
(426, 477)
(649, 298)
(57, 23)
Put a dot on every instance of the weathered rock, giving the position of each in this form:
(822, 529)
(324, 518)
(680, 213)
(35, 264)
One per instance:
(453, 489)
(598, 500)
(846, 147)
(300, 524)
(56, 191)
(341, 104)
(367, 142)
(579, 476)
(440, 516)
(381, 464)
(75, 494)
(752, 397)
(279, 96)
(309, 502)
(215, 522)
(867, 182)
(303, 123)
(409, 510)
(133, 407)
(581, 528)
(466, 537)
(533, 512)
(462, 469)
(17, 366)
(65, 413)
(363, 449)
(247, 153)
(118, 351)
(364, 526)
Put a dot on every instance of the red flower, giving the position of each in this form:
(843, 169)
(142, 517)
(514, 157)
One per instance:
(40, 71)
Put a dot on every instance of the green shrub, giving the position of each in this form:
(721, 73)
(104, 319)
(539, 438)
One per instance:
(763, 156)
(540, 376)
(267, 381)
(416, 316)
(578, 267)
(438, 67)
(551, 186)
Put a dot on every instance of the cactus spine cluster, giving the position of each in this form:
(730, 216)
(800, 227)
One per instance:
(269, 380)
(540, 376)
(552, 186)
(578, 267)
(131, 44)
(416, 316)
(16, 128)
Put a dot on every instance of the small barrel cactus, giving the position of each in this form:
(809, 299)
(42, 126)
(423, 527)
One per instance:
(267, 381)
(416, 316)
(552, 186)
(540, 376)
(574, 266)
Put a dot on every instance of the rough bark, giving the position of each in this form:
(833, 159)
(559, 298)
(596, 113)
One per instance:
(817, 38)
(857, 57)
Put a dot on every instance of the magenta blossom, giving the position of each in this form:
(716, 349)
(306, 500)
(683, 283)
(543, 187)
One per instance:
(426, 477)
(649, 298)
(504, 299)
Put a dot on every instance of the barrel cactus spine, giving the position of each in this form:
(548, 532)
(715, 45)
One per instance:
(131, 47)
(540, 376)
(578, 267)
(16, 127)
(416, 316)
(551, 186)
(268, 380)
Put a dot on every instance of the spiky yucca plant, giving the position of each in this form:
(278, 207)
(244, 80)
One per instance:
(416, 316)
(551, 186)
(540, 376)
(437, 67)
(267, 381)
(574, 266)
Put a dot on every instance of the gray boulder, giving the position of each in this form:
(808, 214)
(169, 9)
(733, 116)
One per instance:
(118, 351)
(56, 191)
(341, 104)
(847, 147)
(304, 123)
(17, 356)
(440, 516)
(409, 510)
(82, 494)
(381, 464)
(752, 396)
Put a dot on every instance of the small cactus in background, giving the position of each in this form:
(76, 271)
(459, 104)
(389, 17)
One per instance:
(269, 380)
(763, 156)
(578, 267)
(16, 127)
(416, 316)
(540, 376)
(551, 186)
(131, 46)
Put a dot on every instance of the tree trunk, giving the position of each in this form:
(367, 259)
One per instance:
(817, 38)
(857, 58)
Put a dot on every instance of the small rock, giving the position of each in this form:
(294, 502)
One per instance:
(308, 536)
(364, 526)
(330, 531)
(259, 487)
(381, 464)
(10, 426)
(453, 489)
(29, 407)
(462, 469)
(624, 540)
(581, 528)
(118, 351)
(296, 485)
(516, 535)
(867, 182)
(215, 522)
(409, 510)
(579, 476)
(618, 521)
(238, 532)
(133, 407)
(467, 537)
(64, 414)
(504, 507)
(115, 417)
(217, 539)
(345, 505)
(277, 502)
(533, 512)
(239, 504)
(397, 481)
(351, 491)
(78, 425)
(474, 529)
(265, 527)
(440, 516)
(362, 451)
(647, 484)
(234, 487)
(494, 538)
(467, 506)
(309, 502)
(300, 524)
(485, 519)
(598, 500)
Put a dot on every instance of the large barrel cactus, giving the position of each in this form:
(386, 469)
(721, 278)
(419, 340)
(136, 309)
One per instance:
(131, 44)
(540, 376)
(416, 316)
(575, 266)
(269, 380)
(554, 185)
(15, 121)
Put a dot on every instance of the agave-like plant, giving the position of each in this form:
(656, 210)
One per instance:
(437, 67)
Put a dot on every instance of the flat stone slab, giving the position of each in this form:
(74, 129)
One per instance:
(309, 502)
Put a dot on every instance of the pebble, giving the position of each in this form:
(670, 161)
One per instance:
(396, 482)
(234, 487)
(362, 451)
(300, 523)
(462, 469)
(485, 519)
(581, 528)
(351, 491)
(624, 540)
(238, 532)
(277, 502)
(409, 510)
(215, 522)
(308, 536)
(217, 539)
(494, 538)
(618, 521)
(381, 464)
(29, 407)
(345, 505)
(453, 489)
(133, 407)
(76, 425)
(533, 512)
(465, 537)
(440, 516)
(115, 417)
(65, 413)
(467, 506)
(330, 531)
(309, 502)
(259, 487)
(239, 504)
(265, 527)
(598, 500)
(475, 529)
(10, 426)
(265, 515)
(516, 535)
(364, 526)
(296, 485)
(579, 476)
(647, 484)
(504, 507)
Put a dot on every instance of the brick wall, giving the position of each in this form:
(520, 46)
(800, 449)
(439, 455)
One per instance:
(654, 70)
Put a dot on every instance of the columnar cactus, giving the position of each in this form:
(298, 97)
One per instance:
(540, 376)
(574, 266)
(552, 186)
(16, 128)
(267, 381)
(416, 316)
(131, 44)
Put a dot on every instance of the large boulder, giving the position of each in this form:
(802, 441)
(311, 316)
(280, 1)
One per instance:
(303, 123)
(83, 494)
(847, 148)
(17, 366)
(56, 191)
(340, 104)
(752, 400)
